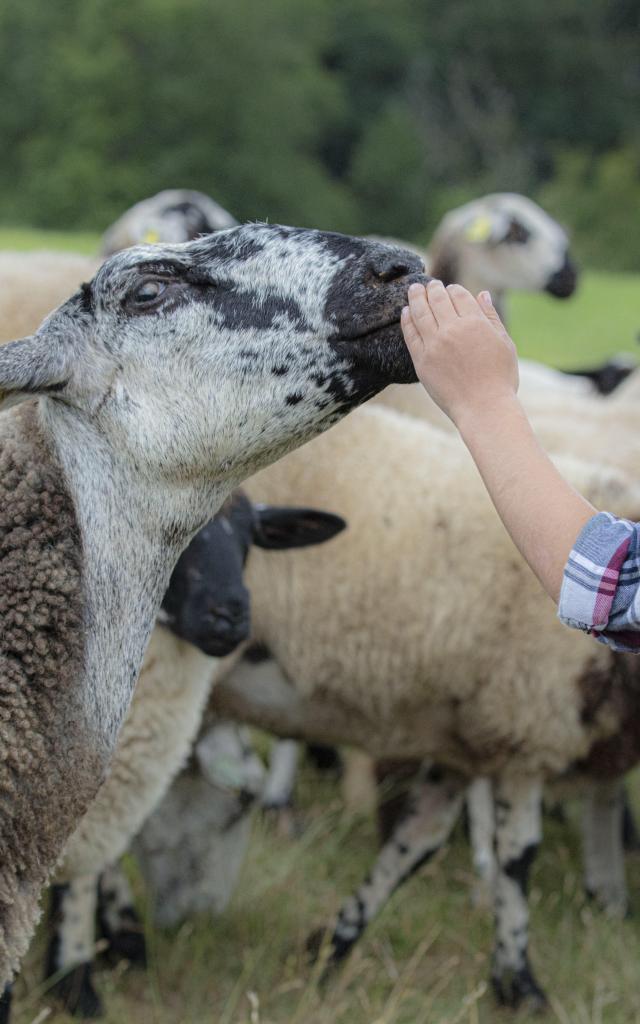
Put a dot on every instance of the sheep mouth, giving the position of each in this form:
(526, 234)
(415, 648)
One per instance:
(376, 354)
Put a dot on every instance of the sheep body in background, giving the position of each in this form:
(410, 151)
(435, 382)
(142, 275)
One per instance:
(32, 284)
(123, 458)
(422, 633)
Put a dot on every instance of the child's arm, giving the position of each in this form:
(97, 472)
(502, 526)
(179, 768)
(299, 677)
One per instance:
(467, 362)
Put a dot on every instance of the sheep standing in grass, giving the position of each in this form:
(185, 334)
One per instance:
(590, 428)
(205, 616)
(422, 633)
(158, 387)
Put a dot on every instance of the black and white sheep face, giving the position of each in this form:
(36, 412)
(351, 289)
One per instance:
(219, 355)
(207, 603)
(506, 241)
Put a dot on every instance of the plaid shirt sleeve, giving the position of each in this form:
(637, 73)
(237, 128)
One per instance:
(600, 591)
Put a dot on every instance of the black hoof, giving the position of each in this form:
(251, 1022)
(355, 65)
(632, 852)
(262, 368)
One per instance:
(128, 944)
(335, 949)
(76, 993)
(325, 758)
(519, 989)
(5, 1006)
(316, 943)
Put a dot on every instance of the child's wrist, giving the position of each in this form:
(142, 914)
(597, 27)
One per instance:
(487, 415)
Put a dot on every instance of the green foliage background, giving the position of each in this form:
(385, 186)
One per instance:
(358, 115)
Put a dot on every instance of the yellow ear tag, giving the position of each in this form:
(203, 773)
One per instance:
(151, 236)
(479, 230)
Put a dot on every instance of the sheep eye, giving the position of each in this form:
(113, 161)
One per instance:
(148, 291)
(517, 233)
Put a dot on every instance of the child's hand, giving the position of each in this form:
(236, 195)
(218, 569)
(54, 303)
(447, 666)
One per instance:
(460, 349)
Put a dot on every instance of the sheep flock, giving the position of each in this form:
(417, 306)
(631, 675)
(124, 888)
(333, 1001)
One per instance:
(357, 591)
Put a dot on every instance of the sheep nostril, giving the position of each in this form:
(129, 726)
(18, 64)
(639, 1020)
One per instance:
(386, 267)
(393, 272)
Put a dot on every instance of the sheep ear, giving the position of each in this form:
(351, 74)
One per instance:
(37, 365)
(279, 528)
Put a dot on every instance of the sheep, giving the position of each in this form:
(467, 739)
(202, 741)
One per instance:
(421, 633)
(34, 283)
(175, 215)
(146, 398)
(503, 242)
(587, 427)
(604, 431)
(205, 617)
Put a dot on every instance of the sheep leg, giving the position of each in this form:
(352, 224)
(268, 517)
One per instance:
(359, 791)
(5, 1005)
(630, 833)
(281, 779)
(394, 780)
(118, 920)
(435, 804)
(277, 795)
(481, 835)
(604, 872)
(72, 946)
(518, 805)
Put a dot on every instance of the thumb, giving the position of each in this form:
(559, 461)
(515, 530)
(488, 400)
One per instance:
(489, 310)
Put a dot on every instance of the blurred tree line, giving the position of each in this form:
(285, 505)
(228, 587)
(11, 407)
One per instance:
(358, 115)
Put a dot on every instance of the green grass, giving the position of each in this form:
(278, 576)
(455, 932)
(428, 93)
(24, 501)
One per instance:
(36, 238)
(601, 319)
(426, 961)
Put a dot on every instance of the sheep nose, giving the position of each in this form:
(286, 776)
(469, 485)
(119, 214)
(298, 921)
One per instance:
(226, 620)
(562, 283)
(387, 266)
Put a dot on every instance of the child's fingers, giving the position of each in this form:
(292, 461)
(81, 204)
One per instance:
(410, 332)
(489, 310)
(440, 303)
(421, 314)
(463, 301)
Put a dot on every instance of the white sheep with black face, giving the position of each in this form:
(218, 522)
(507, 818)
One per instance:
(145, 399)
(503, 242)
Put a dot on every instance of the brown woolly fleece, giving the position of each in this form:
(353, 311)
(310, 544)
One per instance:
(43, 739)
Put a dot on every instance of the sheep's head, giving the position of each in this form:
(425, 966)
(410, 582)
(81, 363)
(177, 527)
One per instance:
(217, 356)
(501, 242)
(207, 602)
(175, 215)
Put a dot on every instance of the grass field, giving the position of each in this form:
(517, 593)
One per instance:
(426, 961)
